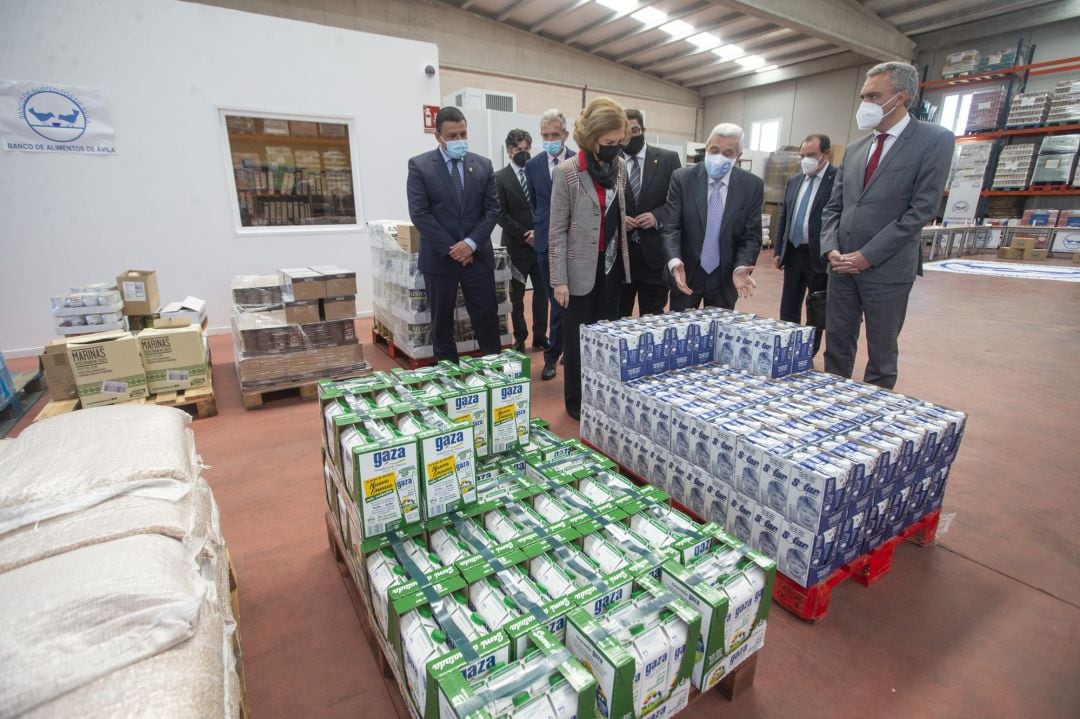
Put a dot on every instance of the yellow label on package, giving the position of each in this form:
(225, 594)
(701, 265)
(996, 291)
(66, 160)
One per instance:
(449, 471)
(472, 408)
(509, 416)
(387, 478)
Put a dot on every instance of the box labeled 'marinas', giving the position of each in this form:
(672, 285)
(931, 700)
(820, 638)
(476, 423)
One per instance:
(107, 367)
(174, 358)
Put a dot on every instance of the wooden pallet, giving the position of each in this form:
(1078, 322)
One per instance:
(28, 386)
(200, 401)
(238, 653)
(255, 400)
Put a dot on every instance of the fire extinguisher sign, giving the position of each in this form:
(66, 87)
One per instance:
(430, 111)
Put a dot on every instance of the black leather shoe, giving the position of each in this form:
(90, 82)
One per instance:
(574, 414)
(519, 346)
(549, 372)
(541, 344)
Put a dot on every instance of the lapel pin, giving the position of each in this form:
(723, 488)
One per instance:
(470, 169)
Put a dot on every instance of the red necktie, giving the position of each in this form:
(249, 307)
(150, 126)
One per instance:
(875, 158)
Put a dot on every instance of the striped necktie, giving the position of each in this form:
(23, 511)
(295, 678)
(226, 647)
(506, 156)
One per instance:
(524, 184)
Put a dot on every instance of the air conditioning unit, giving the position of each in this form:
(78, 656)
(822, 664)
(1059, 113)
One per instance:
(474, 98)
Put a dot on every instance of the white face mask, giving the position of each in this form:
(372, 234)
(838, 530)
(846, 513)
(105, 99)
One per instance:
(869, 115)
(809, 165)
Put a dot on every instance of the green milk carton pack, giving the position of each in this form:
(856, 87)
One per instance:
(546, 681)
(447, 459)
(508, 362)
(731, 587)
(469, 404)
(382, 468)
(508, 405)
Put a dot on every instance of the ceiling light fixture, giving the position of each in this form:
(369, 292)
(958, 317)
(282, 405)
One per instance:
(727, 53)
(649, 16)
(678, 28)
(704, 40)
(751, 62)
(619, 5)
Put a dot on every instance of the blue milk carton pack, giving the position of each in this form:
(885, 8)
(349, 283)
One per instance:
(939, 475)
(806, 557)
(937, 432)
(661, 466)
(750, 460)
(765, 531)
(817, 492)
(740, 517)
(771, 347)
(919, 500)
(640, 450)
(865, 460)
(702, 340)
(660, 417)
(802, 349)
(888, 446)
(957, 422)
(682, 416)
(679, 339)
(911, 445)
(851, 534)
(698, 485)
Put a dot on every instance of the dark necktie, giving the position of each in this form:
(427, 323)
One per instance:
(455, 179)
(800, 216)
(875, 158)
(524, 184)
(635, 189)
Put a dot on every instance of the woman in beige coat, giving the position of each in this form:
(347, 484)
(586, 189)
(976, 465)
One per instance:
(587, 244)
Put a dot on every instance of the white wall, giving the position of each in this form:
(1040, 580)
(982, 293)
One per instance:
(163, 202)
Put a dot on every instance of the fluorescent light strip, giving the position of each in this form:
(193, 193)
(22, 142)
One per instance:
(751, 62)
(704, 40)
(678, 28)
(619, 5)
(727, 53)
(649, 16)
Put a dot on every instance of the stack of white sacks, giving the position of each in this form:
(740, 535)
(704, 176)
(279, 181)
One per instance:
(114, 583)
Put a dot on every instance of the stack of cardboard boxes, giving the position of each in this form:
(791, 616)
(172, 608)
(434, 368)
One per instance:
(295, 327)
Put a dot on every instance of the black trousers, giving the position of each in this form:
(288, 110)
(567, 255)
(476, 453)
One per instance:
(529, 267)
(600, 304)
(646, 285)
(708, 287)
(800, 278)
(477, 284)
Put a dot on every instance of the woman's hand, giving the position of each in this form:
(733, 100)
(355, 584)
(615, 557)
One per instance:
(562, 295)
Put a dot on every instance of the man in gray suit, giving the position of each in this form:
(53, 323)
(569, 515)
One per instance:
(888, 188)
(712, 230)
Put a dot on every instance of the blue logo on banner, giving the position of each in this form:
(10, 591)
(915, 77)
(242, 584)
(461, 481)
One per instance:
(53, 114)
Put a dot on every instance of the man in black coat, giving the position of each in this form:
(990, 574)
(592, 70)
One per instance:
(516, 220)
(649, 170)
(798, 246)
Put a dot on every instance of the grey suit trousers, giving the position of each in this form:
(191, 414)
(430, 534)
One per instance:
(884, 306)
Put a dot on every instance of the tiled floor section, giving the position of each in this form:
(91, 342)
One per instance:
(984, 624)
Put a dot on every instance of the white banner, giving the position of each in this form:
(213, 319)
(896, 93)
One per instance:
(962, 202)
(37, 117)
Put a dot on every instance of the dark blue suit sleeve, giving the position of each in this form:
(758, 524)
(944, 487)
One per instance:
(481, 231)
(431, 231)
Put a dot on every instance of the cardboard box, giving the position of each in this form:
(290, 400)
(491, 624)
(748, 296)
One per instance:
(140, 292)
(1076, 258)
(56, 367)
(301, 312)
(338, 280)
(174, 358)
(408, 237)
(1008, 253)
(301, 283)
(107, 367)
(1022, 243)
(341, 307)
(191, 308)
(1034, 255)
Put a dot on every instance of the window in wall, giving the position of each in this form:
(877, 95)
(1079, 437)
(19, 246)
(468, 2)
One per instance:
(765, 135)
(291, 172)
(954, 111)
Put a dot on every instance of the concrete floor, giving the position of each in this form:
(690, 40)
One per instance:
(986, 623)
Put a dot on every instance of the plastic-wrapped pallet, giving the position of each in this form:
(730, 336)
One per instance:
(962, 62)
(1028, 109)
(1054, 169)
(1065, 103)
(986, 108)
(1000, 60)
(1014, 167)
(116, 599)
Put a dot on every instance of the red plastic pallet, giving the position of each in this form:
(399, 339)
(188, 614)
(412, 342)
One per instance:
(812, 603)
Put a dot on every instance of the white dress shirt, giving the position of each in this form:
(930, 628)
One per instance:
(813, 198)
(893, 133)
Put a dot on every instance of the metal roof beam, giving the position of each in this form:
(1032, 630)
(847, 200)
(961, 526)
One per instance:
(788, 72)
(564, 10)
(613, 17)
(845, 23)
(757, 35)
(717, 25)
(509, 10)
(728, 70)
(1009, 23)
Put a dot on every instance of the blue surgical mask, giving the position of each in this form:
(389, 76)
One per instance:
(717, 165)
(456, 149)
(553, 147)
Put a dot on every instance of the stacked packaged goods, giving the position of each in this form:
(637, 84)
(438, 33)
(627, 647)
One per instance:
(1057, 159)
(295, 327)
(400, 299)
(986, 109)
(91, 308)
(513, 571)
(1028, 109)
(962, 62)
(810, 469)
(1014, 167)
(996, 61)
(1065, 103)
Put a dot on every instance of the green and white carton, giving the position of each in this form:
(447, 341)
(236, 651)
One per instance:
(545, 681)
(640, 651)
(461, 403)
(508, 362)
(447, 460)
(508, 403)
(382, 468)
(731, 586)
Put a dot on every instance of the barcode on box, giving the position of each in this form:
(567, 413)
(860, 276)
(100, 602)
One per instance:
(177, 375)
(377, 529)
(135, 291)
(114, 387)
(437, 509)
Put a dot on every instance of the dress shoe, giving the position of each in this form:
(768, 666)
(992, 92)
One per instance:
(519, 346)
(548, 372)
(541, 344)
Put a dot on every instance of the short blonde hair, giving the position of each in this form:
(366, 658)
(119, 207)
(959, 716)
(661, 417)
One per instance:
(600, 116)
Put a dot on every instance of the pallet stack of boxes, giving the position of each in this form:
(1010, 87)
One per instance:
(402, 312)
(809, 469)
(295, 327)
(1057, 160)
(117, 365)
(516, 573)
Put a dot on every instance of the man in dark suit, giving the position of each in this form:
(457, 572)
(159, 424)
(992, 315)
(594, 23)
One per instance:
(649, 169)
(538, 173)
(888, 188)
(712, 230)
(452, 202)
(798, 249)
(516, 221)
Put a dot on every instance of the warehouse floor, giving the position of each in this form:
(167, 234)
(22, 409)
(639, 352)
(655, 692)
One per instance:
(986, 623)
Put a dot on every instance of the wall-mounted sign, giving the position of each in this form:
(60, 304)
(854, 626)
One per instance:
(38, 117)
(430, 111)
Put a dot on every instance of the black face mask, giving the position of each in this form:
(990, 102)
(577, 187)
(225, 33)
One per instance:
(607, 153)
(521, 157)
(634, 146)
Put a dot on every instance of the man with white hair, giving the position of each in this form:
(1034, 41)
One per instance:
(888, 188)
(712, 235)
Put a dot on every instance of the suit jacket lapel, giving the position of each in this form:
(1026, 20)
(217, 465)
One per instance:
(862, 157)
(443, 171)
(701, 194)
(897, 147)
(517, 181)
(734, 187)
(824, 189)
